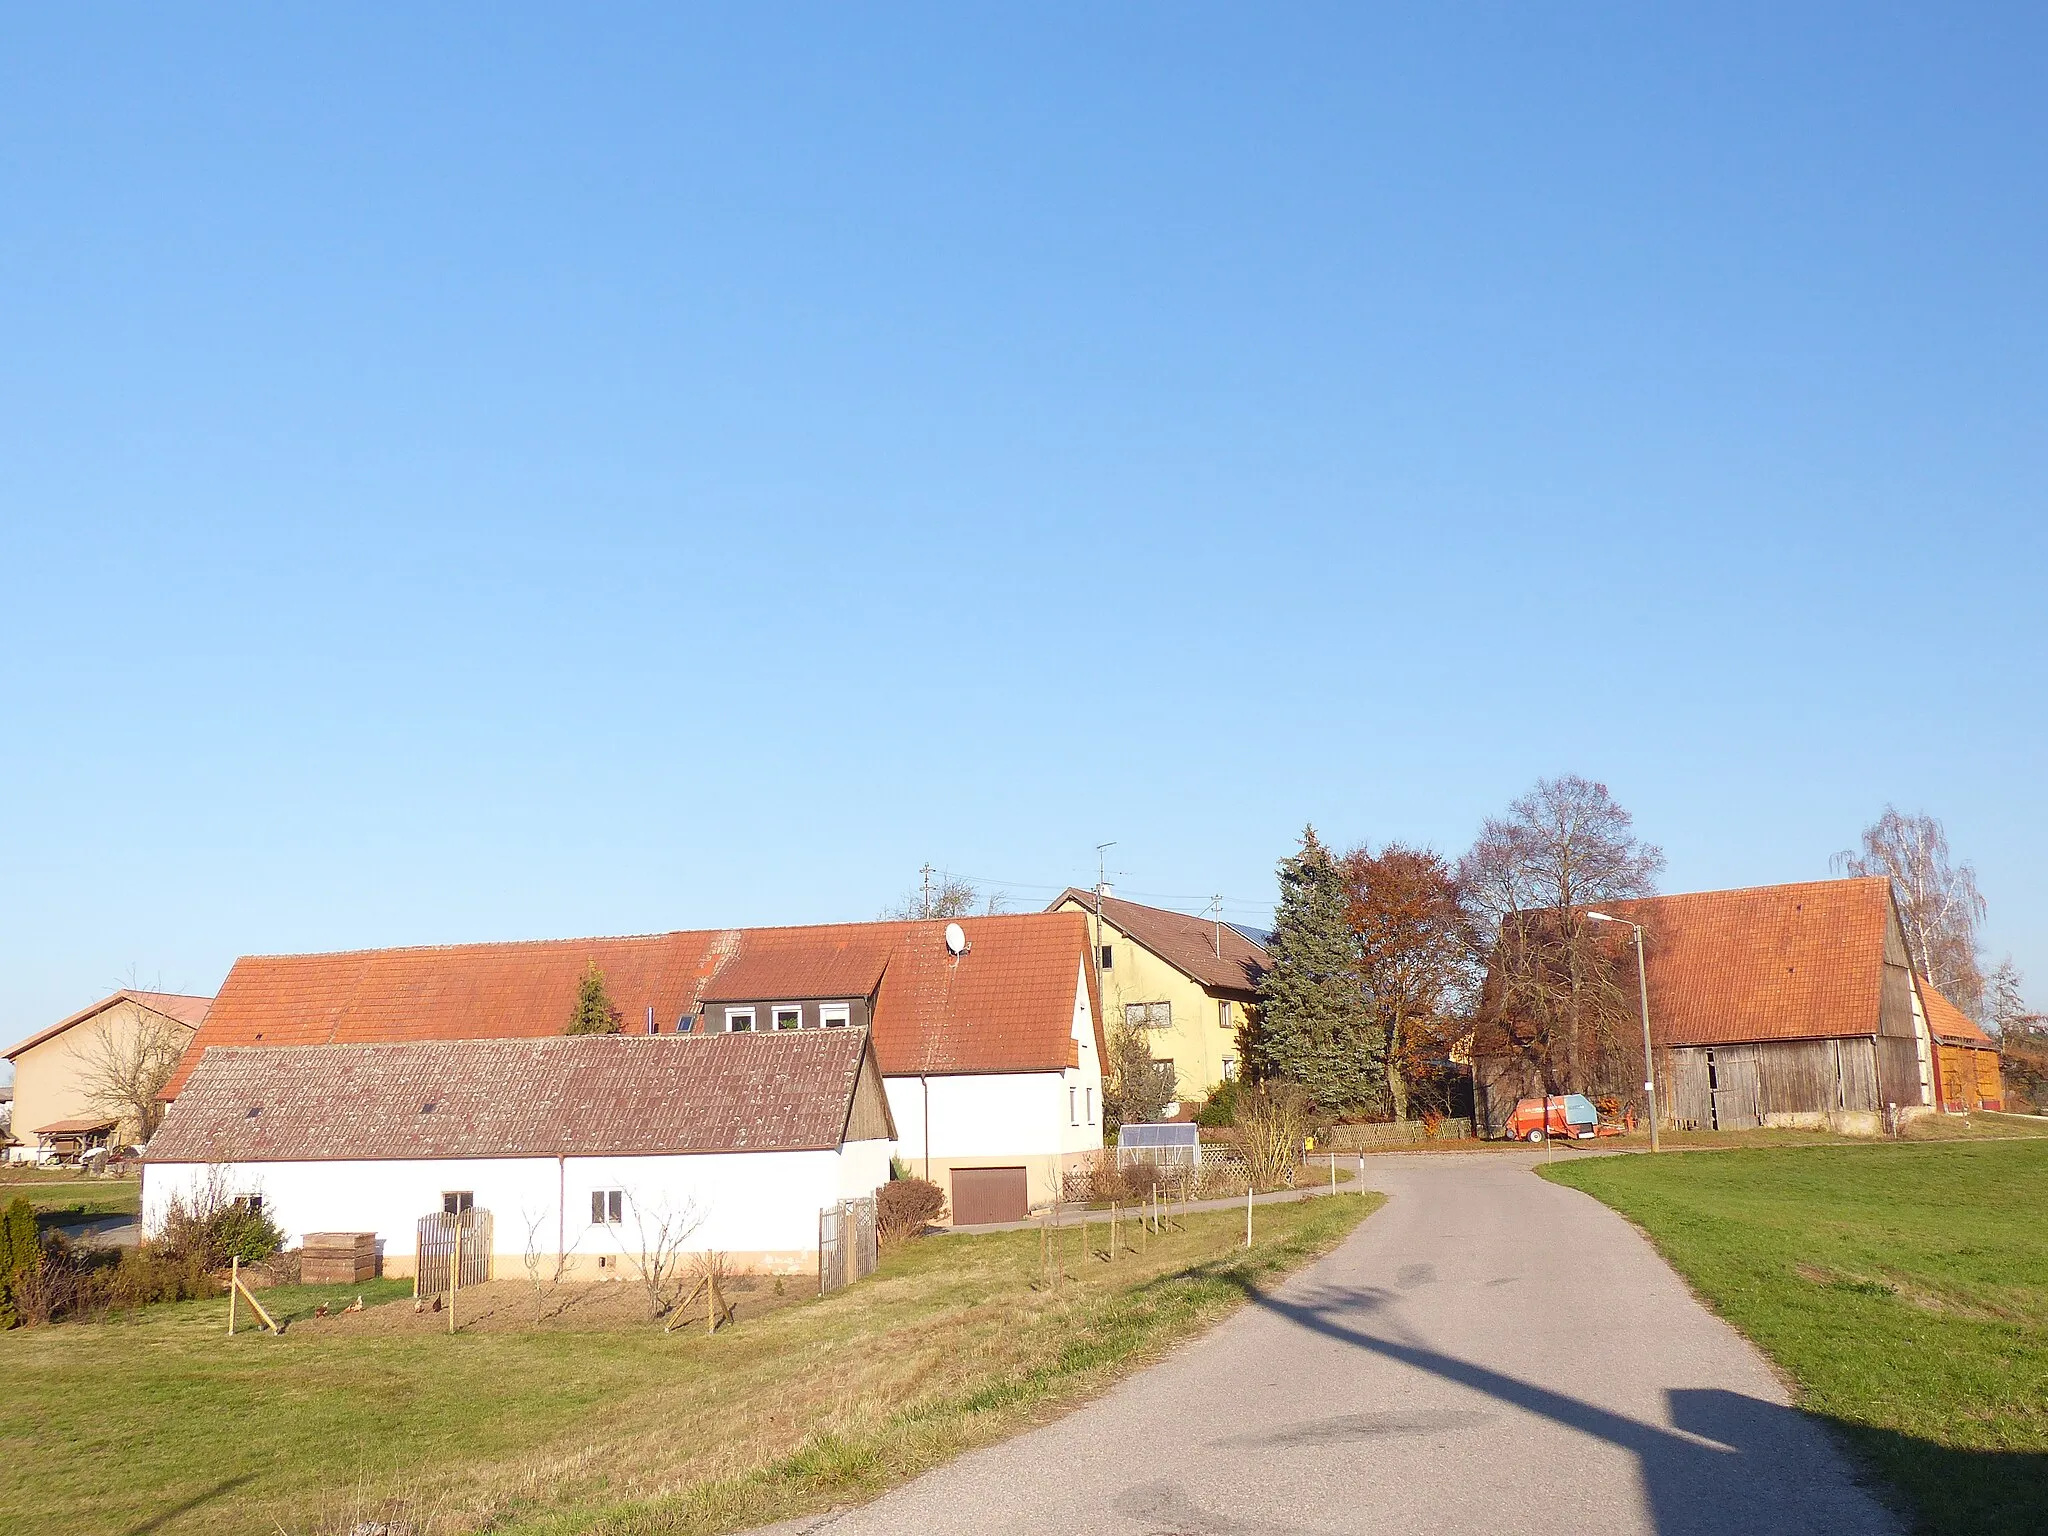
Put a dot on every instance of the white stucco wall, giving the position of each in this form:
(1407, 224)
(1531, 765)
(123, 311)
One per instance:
(1006, 1114)
(751, 1203)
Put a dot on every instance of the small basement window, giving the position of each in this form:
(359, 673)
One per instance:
(607, 1207)
(835, 1015)
(739, 1021)
(789, 1016)
(456, 1201)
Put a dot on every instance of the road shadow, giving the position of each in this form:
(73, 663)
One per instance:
(197, 1501)
(1727, 1464)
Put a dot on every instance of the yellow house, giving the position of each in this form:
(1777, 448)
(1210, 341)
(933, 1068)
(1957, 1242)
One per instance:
(1185, 980)
(62, 1076)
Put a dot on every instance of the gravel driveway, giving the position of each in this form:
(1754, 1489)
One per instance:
(1489, 1354)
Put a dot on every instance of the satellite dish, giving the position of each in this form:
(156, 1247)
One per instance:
(956, 939)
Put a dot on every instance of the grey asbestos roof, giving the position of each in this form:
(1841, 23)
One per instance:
(580, 1096)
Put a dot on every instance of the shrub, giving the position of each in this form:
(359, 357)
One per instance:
(21, 1247)
(1220, 1109)
(1273, 1119)
(212, 1228)
(905, 1207)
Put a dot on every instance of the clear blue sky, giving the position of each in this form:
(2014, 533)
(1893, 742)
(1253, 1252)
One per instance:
(474, 472)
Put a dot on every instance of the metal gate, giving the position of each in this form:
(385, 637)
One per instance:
(435, 1236)
(847, 1243)
(1733, 1070)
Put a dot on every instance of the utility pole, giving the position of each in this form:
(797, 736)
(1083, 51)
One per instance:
(1216, 902)
(925, 909)
(1649, 1059)
(1101, 879)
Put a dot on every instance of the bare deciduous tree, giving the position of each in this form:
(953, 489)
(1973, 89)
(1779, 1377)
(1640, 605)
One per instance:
(946, 896)
(127, 1056)
(1555, 994)
(662, 1230)
(1938, 899)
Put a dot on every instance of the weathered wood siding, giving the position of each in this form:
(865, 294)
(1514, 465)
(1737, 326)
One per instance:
(1733, 1087)
(1898, 1070)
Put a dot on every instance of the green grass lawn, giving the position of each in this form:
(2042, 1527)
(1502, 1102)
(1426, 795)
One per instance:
(62, 1195)
(160, 1423)
(1904, 1287)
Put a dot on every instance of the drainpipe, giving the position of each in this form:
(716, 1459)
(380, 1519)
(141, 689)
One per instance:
(561, 1207)
(925, 1084)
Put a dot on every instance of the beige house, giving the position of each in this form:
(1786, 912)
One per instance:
(1186, 981)
(61, 1109)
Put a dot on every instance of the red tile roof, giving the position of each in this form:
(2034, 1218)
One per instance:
(1228, 962)
(185, 1009)
(795, 964)
(1771, 962)
(587, 1095)
(1949, 1022)
(1007, 1006)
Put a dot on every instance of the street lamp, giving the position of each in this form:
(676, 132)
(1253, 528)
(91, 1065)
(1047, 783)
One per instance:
(1642, 991)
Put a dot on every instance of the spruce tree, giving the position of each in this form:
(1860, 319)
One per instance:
(594, 1013)
(1314, 1026)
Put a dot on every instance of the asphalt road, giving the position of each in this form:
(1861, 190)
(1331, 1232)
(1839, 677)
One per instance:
(1489, 1354)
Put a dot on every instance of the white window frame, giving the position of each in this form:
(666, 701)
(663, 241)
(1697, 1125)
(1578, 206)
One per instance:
(775, 1012)
(1073, 1105)
(1088, 1098)
(834, 1015)
(613, 1206)
(1230, 1069)
(733, 1015)
(1223, 1013)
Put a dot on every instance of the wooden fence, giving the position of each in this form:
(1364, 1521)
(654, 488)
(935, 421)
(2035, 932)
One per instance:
(436, 1246)
(1392, 1133)
(848, 1245)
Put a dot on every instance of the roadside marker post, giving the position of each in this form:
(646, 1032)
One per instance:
(1247, 1213)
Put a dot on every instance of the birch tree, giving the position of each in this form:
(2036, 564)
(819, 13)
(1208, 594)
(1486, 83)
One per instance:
(1939, 904)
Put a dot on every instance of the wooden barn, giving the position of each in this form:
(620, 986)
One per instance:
(1783, 1005)
(1966, 1058)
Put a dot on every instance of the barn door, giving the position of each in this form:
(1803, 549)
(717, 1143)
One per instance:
(1734, 1075)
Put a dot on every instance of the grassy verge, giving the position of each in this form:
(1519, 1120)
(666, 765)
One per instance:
(159, 1422)
(1904, 1288)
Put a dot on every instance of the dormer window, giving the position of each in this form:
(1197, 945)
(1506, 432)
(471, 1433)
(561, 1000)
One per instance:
(789, 1016)
(835, 1015)
(739, 1021)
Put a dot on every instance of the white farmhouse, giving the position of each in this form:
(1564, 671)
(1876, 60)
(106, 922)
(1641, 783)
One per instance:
(990, 1052)
(583, 1146)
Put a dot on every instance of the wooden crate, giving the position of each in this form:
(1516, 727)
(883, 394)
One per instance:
(338, 1258)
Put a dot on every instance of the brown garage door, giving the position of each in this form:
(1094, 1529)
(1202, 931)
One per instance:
(990, 1194)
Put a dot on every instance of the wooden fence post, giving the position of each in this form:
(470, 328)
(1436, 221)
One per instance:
(455, 1272)
(234, 1285)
